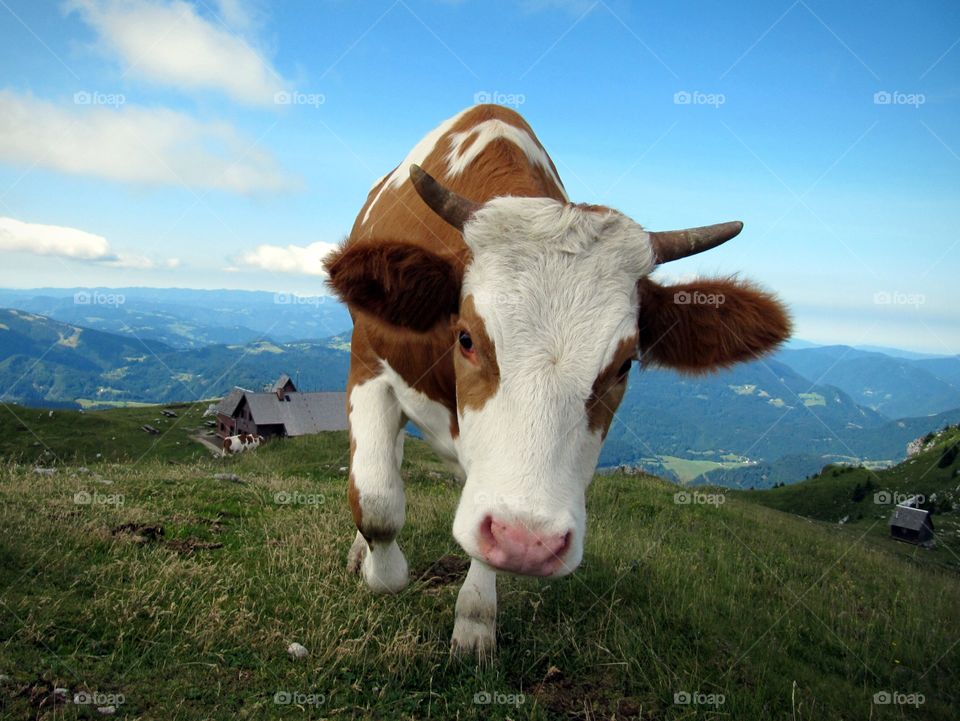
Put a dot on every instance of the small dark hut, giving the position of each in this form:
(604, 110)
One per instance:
(911, 525)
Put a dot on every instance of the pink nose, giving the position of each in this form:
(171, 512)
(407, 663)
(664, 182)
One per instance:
(517, 549)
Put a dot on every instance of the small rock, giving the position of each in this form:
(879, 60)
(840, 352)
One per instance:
(4, 678)
(297, 651)
(343, 469)
(83, 469)
(232, 477)
(44, 471)
(60, 695)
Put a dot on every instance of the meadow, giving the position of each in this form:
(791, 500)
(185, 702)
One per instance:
(170, 585)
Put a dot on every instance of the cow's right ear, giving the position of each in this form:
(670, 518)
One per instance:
(400, 283)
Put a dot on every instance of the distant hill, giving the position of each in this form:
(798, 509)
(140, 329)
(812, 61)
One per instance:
(185, 318)
(754, 425)
(865, 497)
(44, 362)
(895, 387)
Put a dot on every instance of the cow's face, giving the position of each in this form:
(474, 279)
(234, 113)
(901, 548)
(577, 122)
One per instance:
(545, 316)
(543, 341)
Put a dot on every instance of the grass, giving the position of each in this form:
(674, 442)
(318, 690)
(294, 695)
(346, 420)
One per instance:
(864, 498)
(780, 616)
(45, 437)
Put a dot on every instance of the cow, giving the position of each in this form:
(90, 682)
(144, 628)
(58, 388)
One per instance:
(240, 443)
(502, 320)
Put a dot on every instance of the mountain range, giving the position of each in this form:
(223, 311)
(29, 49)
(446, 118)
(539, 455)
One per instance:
(774, 420)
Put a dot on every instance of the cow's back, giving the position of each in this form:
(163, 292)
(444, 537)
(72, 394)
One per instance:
(483, 152)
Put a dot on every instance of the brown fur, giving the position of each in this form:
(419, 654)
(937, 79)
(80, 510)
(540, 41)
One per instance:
(476, 382)
(698, 337)
(397, 282)
(608, 390)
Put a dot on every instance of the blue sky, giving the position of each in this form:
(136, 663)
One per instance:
(228, 143)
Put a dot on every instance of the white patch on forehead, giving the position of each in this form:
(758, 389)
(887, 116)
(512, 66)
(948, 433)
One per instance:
(555, 285)
(458, 158)
(416, 156)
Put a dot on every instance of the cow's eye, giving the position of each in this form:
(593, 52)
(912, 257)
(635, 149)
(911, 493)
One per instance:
(624, 369)
(466, 342)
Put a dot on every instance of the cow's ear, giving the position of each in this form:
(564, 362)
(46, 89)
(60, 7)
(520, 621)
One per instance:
(708, 324)
(400, 283)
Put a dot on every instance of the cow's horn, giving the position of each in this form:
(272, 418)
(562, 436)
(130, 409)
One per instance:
(453, 208)
(675, 244)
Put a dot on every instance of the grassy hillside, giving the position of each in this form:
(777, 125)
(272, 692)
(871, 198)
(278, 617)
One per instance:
(754, 613)
(865, 498)
(52, 437)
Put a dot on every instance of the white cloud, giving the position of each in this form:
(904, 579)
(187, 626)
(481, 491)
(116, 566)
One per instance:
(168, 42)
(15, 235)
(298, 259)
(58, 240)
(133, 144)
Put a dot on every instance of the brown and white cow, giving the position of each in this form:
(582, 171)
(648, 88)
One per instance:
(240, 443)
(503, 320)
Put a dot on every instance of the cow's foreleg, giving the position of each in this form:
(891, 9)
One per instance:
(376, 488)
(475, 623)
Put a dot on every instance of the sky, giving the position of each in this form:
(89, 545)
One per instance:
(230, 143)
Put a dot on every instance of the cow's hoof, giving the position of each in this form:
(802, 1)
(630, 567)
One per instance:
(385, 568)
(357, 553)
(473, 640)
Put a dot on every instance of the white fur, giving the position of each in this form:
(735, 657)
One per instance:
(475, 621)
(485, 133)
(376, 426)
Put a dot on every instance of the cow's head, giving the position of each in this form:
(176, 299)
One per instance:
(546, 315)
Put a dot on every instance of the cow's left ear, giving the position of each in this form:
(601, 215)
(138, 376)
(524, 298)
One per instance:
(400, 283)
(708, 324)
